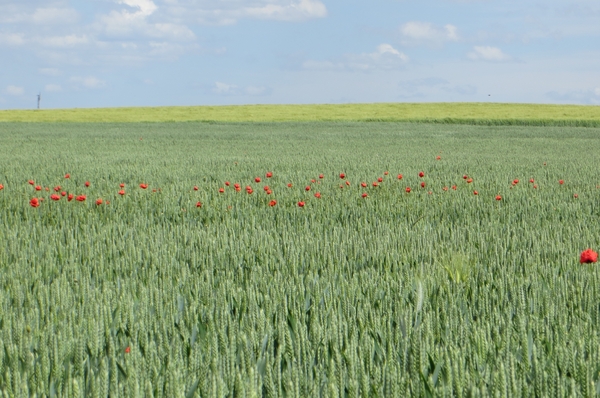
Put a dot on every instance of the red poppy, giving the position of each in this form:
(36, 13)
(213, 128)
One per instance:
(342, 176)
(313, 181)
(307, 188)
(249, 191)
(407, 189)
(31, 182)
(465, 177)
(143, 186)
(55, 197)
(195, 188)
(57, 188)
(269, 174)
(121, 185)
(561, 182)
(380, 179)
(575, 196)
(46, 189)
(127, 350)
(63, 193)
(198, 204)
(375, 184)
(318, 195)
(289, 184)
(70, 197)
(475, 193)
(386, 173)
(272, 203)
(98, 202)
(227, 183)
(470, 180)
(347, 182)
(321, 176)
(421, 174)
(531, 180)
(301, 204)
(269, 192)
(238, 189)
(364, 195)
(257, 179)
(438, 157)
(363, 184)
(423, 184)
(38, 188)
(1, 187)
(588, 256)
(399, 176)
(34, 202)
(87, 183)
(445, 189)
(341, 187)
(80, 198)
(266, 188)
(535, 187)
(67, 175)
(236, 185)
(221, 190)
(498, 197)
(454, 187)
(122, 192)
(515, 181)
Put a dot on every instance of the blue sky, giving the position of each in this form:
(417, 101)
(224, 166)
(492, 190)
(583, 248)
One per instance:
(103, 53)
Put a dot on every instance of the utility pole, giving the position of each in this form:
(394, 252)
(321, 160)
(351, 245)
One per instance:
(39, 99)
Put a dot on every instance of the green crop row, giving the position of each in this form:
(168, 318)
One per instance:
(395, 294)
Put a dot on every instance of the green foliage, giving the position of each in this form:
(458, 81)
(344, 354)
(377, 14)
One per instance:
(395, 294)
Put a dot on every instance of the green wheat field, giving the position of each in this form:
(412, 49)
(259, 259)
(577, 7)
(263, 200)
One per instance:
(359, 291)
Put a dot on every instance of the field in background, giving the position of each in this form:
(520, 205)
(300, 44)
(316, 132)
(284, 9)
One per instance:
(453, 113)
(397, 294)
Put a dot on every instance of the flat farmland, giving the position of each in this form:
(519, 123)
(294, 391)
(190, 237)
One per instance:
(302, 282)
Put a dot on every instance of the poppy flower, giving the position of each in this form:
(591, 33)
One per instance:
(67, 175)
(363, 184)
(289, 184)
(269, 192)
(347, 182)
(221, 190)
(70, 197)
(313, 181)
(321, 176)
(249, 191)
(31, 182)
(498, 197)
(127, 350)
(38, 188)
(198, 204)
(531, 180)
(341, 187)
(195, 188)
(1, 187)
(470, 180)
(318, 195)
(57, 188)
(438, 158)
(380, 179)
(272, 203)
(227, 183)
(55, 197)
(34, 202)
(561, 182)
(46, 189)
(87, 183)
(454, 187)
(269, 174)
(515, 181)
(266, 188)
(465, 177)
(301, 204)
(307, 188)
(257, 179)
(80, 198)
(407, 189)
(121, 185)
(445, 189)
(399, 176)
(364, 195)
(122, 192)
(575, 196)
(238, 189)
(236, 185)
(535, 187)
(342, 176)
(98, 202)
(143, 186)
(588, 256)
(475, 193)
(248, 187)
(423, 184)
(421, 174)
(63, 193)
(375, 184)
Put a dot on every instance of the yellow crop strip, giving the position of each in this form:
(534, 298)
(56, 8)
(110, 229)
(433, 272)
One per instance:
(462, 113)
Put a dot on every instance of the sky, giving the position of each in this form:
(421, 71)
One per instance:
(112, 53)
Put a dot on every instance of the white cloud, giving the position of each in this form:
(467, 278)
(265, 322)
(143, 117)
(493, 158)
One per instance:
(384, 57)
(47, 16)
(88, 82)
(416, 32)
(49, 71)
(63, 41)
(221, 88)
(300, 10)
(224, 88)
(53, 87)
(488, 53)
(12, 39)
(15, 90)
